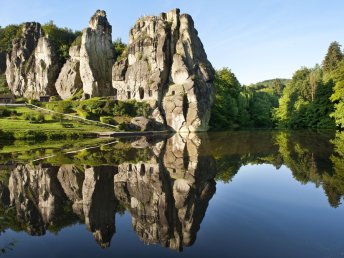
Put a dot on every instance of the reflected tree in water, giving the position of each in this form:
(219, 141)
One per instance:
(165, 183)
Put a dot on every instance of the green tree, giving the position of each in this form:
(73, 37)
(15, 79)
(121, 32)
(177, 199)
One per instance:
(119, 48)
(62, 38)
(261, 109)
(278, 86)
(305, 101)
(225, 110)
(333, 57)
(7, 34)
(337, 98)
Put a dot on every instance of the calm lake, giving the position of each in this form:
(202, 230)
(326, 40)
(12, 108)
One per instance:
(230, 194)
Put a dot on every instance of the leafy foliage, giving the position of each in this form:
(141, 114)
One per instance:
(337, 98)
(7, 34)
(274, 86)
(333, 57)
(236, 106)
(62, 39)
(305, 101)
(3, 84)
(119, 48)
(313, 98)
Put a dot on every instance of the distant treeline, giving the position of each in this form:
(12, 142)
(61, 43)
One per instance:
(313, 98)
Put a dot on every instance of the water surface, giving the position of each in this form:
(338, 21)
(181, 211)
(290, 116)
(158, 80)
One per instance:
(232, 194)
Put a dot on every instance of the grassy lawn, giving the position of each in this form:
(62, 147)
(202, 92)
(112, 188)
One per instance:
(49, 146)
(18, 121)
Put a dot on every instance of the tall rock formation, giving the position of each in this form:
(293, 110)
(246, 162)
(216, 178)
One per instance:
(168, 195)
(69, 80)
(96, 57)
(168, 67)
(166, 187)
(99, 203)
(71, 179)
(32, 65)
(37, 195)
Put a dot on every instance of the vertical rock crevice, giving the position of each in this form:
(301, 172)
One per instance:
(32, 65)
(96, 56)
(166, 58)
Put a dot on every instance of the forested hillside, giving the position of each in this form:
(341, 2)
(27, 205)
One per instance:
(313, 98)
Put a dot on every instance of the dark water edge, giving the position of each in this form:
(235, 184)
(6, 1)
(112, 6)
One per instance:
(225, 194)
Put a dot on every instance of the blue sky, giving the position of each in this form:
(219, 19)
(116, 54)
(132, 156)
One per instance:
(257, 39)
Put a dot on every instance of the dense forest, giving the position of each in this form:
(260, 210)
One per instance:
(313, 98)
(238, 106)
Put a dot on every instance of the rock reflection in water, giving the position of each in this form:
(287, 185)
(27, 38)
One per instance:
(164, 183)
(168, 196)
(167, 193)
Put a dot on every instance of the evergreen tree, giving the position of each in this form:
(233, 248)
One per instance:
(333, 57)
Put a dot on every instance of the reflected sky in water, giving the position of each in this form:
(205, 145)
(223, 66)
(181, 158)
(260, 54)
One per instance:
(233, 194)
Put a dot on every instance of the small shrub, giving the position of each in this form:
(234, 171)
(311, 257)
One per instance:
(108, 120)
(129, 127)
(6, 135)
(4, 112)
(61, 106)
(30, 116)
(67, 125)
(21, 100)
(57, 117)
(40, 118)
(55, 98)
(34, 102)
(84, 114)
(119, 109)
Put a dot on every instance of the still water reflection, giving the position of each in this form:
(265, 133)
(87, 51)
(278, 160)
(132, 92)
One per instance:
(277, 194)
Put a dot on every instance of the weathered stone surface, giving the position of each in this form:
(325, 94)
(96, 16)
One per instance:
(167, 198)
(96, 57)
(36, 194)
(146, 124)
(167, 193)
(71, 179)
(99, 203)
(32, 65)
(69, 80)
(167, 67)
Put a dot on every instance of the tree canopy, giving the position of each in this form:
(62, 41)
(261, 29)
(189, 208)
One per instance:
(313, 98)
(7, 34)
(62, 38)
(333, 57)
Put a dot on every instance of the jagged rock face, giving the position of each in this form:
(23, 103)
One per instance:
(167, 67)
(71, 179)
(167, 196)
(36, 194)
(99, 203)
(69, 80)
(96, 57)
(32, 65)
